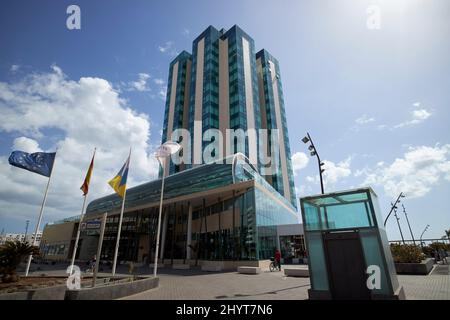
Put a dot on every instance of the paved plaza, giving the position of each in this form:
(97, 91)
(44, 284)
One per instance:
(273, 285)
(227, 285)
(194, 285)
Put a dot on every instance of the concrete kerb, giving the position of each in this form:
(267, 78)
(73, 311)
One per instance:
(114, 291)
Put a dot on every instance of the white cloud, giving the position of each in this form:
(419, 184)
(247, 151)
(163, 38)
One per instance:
(85, 113)
(415, 174)
(162, 93)
(364, 119)
(26, 144)
(335, 172)
(141, 83)
(14, 68)
(186, 32)
(359, 172)
(155, 88)
(420, 115)
(299, 161)
(417, 116)
(161, 88)
(166, 47)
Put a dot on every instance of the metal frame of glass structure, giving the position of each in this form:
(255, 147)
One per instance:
(353, 210)
(229, 221)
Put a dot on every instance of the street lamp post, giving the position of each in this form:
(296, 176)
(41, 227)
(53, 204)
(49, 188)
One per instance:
(164, 152)
(424, 230)
(313, 152)
(398, 222)
(99, 249)
(26, 230)
(394, 206)
(409, 226)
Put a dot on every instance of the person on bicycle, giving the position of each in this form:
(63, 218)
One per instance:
(278, 259)
(92, 263)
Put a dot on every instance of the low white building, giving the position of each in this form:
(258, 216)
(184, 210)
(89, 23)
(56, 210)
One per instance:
(20, 237)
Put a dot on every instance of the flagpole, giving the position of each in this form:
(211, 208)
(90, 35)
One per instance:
(116, 251)
(155, 265)
(40, 215)
(75, 248)
(119, 229)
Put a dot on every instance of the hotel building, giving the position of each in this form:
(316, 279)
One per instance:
(225, 212)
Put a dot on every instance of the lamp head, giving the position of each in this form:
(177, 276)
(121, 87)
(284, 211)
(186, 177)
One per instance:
(305, 140)
(167, 149)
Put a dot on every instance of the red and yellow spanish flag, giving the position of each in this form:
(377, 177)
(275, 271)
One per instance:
(85, 186)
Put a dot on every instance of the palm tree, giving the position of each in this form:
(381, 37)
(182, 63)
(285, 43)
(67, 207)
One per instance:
(11, 255)
(447, 232)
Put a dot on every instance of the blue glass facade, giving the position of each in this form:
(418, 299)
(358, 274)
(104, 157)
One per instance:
(242, 106)
(229, 221)
(180, 97)
(237, 95)
(269, 115)
(217, 215)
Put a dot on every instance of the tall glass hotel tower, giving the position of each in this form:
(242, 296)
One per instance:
(212, 213)
(224, 85)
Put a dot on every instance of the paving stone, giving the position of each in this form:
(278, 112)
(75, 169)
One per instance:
(194, 284)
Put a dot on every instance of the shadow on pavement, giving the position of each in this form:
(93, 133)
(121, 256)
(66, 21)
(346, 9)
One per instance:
(238, 295)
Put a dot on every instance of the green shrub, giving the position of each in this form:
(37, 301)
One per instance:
(406, 253)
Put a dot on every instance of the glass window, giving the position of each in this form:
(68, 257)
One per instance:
(338, 211)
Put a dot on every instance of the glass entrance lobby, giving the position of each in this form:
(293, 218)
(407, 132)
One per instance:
(207, 215)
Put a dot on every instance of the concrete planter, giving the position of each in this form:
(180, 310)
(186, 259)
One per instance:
(113, 291)
(48, 293)
(304, 272)
(19, 295)
(422, 268)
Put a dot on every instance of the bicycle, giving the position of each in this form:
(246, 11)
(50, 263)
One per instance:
(90, 268)
(273, 265)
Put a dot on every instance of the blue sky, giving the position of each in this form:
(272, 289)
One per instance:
(376, 102)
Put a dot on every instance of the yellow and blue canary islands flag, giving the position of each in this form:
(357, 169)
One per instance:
(119, 182)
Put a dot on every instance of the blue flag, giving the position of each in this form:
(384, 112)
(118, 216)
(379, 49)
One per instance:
(39, 162)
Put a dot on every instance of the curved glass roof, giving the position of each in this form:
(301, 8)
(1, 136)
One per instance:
(201, 178)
